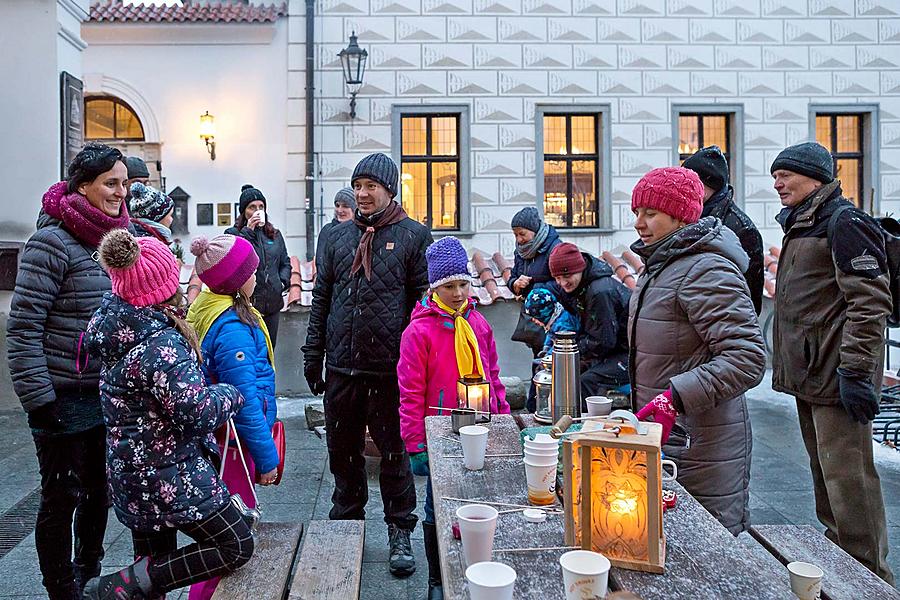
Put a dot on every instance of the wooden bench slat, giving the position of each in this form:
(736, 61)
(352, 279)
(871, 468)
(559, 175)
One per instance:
(266, 575)
(845, 577)
(330, 565)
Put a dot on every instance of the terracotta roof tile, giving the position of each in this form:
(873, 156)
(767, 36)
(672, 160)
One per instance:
(117, 12)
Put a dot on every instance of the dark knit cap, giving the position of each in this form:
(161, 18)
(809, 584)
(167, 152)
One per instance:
(710, 164)
(809, 158)
(566, 259)
(249, 194)
(136, 167)
(528, 218)
(347, 197)
(148, 202)
(378, 167)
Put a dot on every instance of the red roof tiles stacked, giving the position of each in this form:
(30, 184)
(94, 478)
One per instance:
(117, 12)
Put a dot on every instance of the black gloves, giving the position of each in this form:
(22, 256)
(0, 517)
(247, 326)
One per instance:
(44, 417)
(312, 371)
(858, 397)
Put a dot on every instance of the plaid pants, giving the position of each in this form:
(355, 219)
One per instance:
(222, 543)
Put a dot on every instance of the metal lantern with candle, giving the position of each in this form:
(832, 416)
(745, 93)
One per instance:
(543, 390)
(473, 391)
(612, 487)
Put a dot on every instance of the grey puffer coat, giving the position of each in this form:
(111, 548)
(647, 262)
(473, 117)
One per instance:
(692, 327)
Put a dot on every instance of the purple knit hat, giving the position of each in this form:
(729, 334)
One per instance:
(224, 263)
(676, 191)
(143, 271)
(447, 261)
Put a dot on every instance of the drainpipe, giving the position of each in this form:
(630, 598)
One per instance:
(310, 146)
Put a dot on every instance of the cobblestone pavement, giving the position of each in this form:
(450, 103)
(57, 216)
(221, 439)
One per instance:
(781, 492)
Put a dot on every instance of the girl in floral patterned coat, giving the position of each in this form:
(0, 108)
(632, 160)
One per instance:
(160, 418)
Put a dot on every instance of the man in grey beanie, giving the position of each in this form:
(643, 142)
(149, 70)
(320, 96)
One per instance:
(137, 171)
(831, 304)
(344, 207)
(370, 272)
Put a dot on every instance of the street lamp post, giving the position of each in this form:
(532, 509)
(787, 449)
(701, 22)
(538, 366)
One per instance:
(353, 61)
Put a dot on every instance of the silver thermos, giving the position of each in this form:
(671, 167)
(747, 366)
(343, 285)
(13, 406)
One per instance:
(566, 397)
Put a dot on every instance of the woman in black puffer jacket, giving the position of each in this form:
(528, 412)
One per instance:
(58, 288)
(273, 276)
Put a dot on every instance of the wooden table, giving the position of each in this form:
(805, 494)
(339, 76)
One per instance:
(703, 560)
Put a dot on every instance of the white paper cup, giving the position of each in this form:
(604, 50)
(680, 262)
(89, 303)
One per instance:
(543, 438)
(585, 574)
(542, 461)
(598, 406)
(491, 581)
(806, 580)
(541, 481)
(474, 443)
(541, 451)
(477, 523)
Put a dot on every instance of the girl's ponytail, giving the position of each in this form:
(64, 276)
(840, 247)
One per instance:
(244, 310)
(172, 308)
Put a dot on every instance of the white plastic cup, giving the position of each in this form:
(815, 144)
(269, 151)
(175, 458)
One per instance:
(541, 451)
(491, 581)
(585, 574)
(474, 443)
(598, 406)
(806, 580)
(477, 523)
(541, 480)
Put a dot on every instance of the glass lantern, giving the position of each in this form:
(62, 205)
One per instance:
(543, 391)
(473, 391)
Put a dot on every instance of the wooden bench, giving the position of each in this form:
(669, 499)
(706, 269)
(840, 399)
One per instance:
(267, 574)
(845, 578)
(330, 565)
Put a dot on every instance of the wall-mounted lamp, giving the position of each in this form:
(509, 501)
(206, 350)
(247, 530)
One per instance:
(208, 133)
(353, 60)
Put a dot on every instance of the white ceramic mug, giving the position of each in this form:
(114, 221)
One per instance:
(261, 215)
(665, 475)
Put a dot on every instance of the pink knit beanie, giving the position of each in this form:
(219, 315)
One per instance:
(676, 191)
(224, 263)
(143, 270)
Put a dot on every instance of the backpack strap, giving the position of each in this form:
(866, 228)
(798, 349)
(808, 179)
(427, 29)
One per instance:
(832, 220)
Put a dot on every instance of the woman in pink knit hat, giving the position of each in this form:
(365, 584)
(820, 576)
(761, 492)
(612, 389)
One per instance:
(160, 416)
(694, 341)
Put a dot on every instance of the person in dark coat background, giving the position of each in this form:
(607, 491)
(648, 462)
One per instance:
(273, 275)
(585, 287)
(718, 201)
(58, 287)
(534, 241)
(371, 272)
(344, 207)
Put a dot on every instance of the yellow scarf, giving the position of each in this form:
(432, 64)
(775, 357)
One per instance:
(468, 356)
(209, 306)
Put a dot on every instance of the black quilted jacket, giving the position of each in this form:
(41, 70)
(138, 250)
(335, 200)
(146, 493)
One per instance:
(58, 288)
(355, 323)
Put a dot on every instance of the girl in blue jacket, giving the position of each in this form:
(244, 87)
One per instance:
(237, 350)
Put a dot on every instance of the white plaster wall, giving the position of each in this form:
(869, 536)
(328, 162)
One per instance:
(171, 74)
(641, 56)
(34, 54)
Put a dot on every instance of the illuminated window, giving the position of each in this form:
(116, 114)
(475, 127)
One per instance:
(571, 160)
(843, 135)
(429, 169)
(697, 131)
(108, 118)
(224, 217)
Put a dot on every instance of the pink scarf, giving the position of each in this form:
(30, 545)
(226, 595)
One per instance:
(83, 220)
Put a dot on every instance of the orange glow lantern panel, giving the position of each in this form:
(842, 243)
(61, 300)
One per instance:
(474, 392)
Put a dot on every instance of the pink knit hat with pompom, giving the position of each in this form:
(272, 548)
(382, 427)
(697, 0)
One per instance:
(224, 263)
(676, 191)
(143, 270)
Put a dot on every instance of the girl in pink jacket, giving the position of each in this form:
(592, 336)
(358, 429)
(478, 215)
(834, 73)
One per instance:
(446, 338)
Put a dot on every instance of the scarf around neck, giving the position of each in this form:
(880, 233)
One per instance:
(529, 250)
(394, 213)
(82, 219)
(209, 306)
(159, 231)
(465, 344)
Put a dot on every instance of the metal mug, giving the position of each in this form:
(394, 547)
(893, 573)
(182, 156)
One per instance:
(460, 417)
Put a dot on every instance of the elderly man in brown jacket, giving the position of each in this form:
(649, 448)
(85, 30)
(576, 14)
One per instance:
(830, 309)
